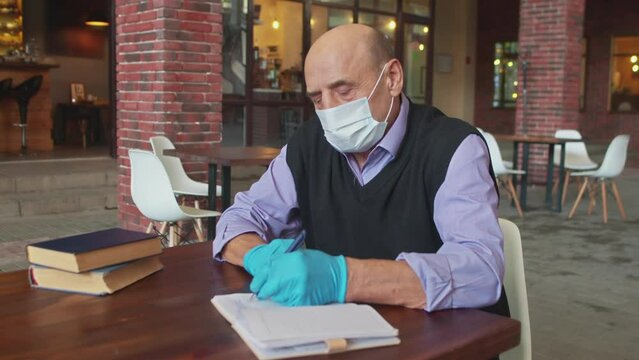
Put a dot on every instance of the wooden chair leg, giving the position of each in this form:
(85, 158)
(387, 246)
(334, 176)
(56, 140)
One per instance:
(172, 235)
(513, 192)
(150, 227)
(566, 181)
(198, 221)
(604, 205)
(615, 192)
(592, 196)
(198, 230)
(163, 227)
(581, 193)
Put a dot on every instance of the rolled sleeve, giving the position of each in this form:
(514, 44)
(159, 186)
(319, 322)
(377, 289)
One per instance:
(467, 271)
(267, 209)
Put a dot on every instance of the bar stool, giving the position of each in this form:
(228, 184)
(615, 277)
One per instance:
(5, 87)
(22, 94)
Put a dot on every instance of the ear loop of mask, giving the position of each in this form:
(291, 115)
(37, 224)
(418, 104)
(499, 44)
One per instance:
(375, 88)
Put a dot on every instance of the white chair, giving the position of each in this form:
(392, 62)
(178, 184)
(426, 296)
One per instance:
(502, 173)
(611, 167)
(515, 286)
(576, 158)
(507, 164)
(152, 194)
(182, 184)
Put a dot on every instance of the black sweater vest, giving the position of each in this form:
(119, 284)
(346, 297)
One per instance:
(393, 212)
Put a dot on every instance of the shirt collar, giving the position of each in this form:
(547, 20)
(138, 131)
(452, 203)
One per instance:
(393, 138)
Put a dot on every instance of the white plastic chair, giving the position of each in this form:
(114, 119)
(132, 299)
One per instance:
(502, 173)
(515, 286)
(576, 158)
(152, 194)
(611, 167)
(182, 184)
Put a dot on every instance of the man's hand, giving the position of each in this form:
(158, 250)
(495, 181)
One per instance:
(303, 277)
(259, 257)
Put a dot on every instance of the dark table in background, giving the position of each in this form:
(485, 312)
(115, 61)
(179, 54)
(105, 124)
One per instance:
(526, 140)
(89, 117)
(169, 315)
(226, 157)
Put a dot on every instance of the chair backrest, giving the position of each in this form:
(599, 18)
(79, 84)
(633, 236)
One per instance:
(575, 150)
(515, 286)
(495, 154)
(615, 158)
(172, 164)
(151, 188)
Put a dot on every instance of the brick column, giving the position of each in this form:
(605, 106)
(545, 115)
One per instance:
(550, 33)
(169, 82)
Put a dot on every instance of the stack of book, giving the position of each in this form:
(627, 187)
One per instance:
(97, 263)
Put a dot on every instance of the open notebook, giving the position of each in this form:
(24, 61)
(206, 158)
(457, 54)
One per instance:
(277, 332)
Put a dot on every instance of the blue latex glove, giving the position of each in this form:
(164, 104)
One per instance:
(303, 277)
(259, 257)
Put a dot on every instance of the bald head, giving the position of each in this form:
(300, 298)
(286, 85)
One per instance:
(359, 43)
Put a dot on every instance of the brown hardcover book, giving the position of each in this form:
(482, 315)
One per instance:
(94, 250)
(101, 281)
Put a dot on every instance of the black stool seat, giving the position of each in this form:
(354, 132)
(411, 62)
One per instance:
(22, 94)
(5, 87)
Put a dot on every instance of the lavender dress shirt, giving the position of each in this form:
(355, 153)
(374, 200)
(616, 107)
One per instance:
(467, 270)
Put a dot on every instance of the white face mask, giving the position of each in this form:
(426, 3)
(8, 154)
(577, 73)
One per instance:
(350, 127)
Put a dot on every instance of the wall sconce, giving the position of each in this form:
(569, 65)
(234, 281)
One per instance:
(275, 24)
(392, 25)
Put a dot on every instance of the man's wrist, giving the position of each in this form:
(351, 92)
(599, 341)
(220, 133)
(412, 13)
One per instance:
(235, 250)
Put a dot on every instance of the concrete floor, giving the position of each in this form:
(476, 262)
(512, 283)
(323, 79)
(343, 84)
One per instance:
(582, 276)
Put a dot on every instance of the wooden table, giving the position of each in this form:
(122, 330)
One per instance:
(225, 156)
(169, 315)
(551, 141)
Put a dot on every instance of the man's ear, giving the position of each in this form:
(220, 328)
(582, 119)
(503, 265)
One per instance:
(395, 79)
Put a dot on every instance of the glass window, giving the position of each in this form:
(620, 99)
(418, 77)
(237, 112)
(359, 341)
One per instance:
(382, 5)
(624, 95)
(385, 24)
(234, 47)
(415, 57)
(417, 7)
(233, 120)
(505, 75)
(272, 126)
(324, 18)
(277, 50)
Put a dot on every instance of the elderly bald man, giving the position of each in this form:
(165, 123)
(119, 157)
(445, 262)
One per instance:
(398, 201)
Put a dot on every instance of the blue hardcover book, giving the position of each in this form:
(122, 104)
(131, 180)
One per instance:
(94, 250)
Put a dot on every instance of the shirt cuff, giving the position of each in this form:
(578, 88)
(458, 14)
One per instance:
(227, 229)
(435, 275)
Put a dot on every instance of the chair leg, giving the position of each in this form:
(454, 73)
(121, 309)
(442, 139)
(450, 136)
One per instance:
(592, 197)
(163, 227)
(566, 181)
(604, 205)
(173, 235)
(615, 192)
(198, 221)
(581, 193)
(513, 192)
(198, 230)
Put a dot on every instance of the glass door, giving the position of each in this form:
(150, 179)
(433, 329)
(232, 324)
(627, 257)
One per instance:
(416, 55)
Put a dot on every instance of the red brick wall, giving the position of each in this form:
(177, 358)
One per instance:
(603, 21)
(550, 33)
(497, 20)
(168, 77)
